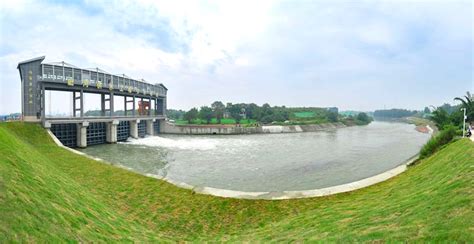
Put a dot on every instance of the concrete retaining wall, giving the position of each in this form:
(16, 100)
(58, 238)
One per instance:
(231, 129)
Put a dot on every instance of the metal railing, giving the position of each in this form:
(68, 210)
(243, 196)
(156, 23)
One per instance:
(99, 80)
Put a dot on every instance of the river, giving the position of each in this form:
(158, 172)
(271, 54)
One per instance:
(270, 162)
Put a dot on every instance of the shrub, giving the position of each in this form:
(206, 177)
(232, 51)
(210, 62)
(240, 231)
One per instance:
(435, 143)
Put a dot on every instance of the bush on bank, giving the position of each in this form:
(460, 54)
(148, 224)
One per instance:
(435, 143)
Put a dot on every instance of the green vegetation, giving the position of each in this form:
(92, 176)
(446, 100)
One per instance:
(219, 108)
(304, 114)
(438, 141)
(393, 113)
(251, 113)
(448, 119)
(419, 121)
(360, 119)
(206, 114)
(467, 102)
(363, 118)
(214, 121)
(48, 194)
(447, 116)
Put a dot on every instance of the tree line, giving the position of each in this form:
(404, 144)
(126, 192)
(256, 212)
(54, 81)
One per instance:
(265, 114)
(447, 115)
(250, 111)
(449, 120)
(394, 113)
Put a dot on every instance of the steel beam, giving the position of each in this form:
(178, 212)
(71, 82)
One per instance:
(111, 104)
(82, 104)
(73, 104)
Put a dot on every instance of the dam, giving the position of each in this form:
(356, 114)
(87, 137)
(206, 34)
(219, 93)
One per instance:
(144, 103)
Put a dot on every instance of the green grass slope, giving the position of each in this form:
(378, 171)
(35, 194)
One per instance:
(50, 194)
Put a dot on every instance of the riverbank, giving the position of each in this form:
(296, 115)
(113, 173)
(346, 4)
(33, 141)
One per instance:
(49, 194)
(169, 128)
(422, 125)
(285, 195)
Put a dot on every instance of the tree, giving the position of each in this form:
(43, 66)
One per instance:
(206, 114)
(191, 115)
(252, 110)
(218, 108)
(440, 117)
(468, 104)
(393, 113)
(332, 116)
(427, 110)
(175, 114)
(449, 108)
(363, 117)
(267, 119)
(234, 110)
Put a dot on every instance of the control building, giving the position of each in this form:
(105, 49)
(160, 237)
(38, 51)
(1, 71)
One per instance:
(144, 104)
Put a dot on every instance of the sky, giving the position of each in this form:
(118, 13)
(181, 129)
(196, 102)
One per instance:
(356, 55)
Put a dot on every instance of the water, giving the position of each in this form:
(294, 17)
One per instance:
(270, 162)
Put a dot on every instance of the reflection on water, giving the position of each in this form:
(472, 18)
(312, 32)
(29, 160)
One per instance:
(270, 162)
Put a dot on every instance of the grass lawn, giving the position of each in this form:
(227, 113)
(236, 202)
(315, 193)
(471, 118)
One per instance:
(214, 121)
(304, 114)
(48, 194)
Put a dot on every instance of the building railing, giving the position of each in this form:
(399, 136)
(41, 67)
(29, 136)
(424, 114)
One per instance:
(100, 80)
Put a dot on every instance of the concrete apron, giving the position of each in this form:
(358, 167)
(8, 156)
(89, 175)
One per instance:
(266, 195)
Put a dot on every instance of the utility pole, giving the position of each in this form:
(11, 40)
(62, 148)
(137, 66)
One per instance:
(464, 122)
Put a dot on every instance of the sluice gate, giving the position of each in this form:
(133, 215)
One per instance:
(144, 104)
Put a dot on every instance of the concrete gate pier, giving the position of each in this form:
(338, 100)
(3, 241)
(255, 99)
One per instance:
(82, 134)
(134, 128)
(149, 127)
(111, 131)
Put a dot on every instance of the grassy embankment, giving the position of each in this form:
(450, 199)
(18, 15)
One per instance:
(50, 194)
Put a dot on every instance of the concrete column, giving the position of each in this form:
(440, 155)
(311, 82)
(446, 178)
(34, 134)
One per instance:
(73, 103)
(149, 127)
(43, 103)
(133, 111)
(111, 132)
(82, 104)
(134, 128)
(125, 104)
(102, 104)
(111, 102)
(162, 126)
(82, 134)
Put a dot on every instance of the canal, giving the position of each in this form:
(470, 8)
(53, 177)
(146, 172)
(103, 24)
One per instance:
(270, 162)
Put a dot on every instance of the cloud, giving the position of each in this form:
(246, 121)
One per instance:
(324, 53)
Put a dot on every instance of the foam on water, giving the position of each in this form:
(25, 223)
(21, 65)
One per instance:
(192, 143)
(179, 143)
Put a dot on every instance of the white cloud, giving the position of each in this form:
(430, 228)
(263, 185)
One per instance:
(294, 53)
(242, 62)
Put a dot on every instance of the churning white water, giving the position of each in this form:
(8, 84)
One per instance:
(270, 162)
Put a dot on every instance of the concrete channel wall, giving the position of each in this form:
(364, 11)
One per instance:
(169, 128)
